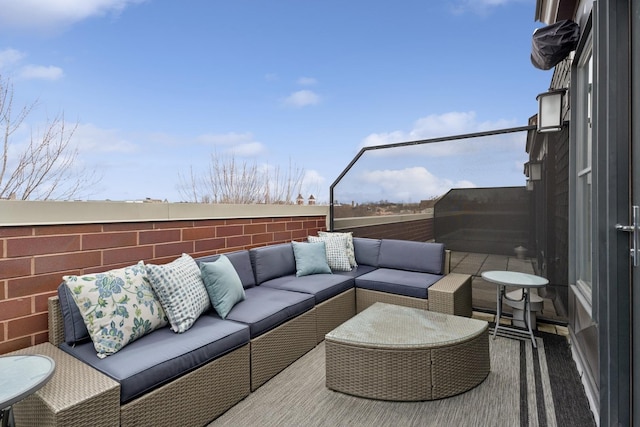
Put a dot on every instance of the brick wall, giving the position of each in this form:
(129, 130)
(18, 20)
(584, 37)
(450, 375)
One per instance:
(33, 259)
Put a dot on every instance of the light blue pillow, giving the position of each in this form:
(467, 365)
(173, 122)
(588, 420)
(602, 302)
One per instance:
(311, 258)
(223, 284)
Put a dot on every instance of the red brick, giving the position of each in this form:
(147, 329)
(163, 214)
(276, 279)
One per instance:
(27, 325)
(1, 332)
(209, 244)
(209, 223)
(13, 308)
(255, 228)
(162, 225)
(199, 233)
(128, 226)
(41, 338)
(261, 238)
(294, 225)
(229, 230)
(238, 241)
(159, 236)
(262, 220)
(15, 267)
(277, 226)
(3, 292)
(13, 345)
(284, 236)
(29, 246)
(45, 230)
(34, 284)
(109, 240)
(174, 249)
(64, 262)
(299, 234)
(237, 221)
(130, 255)
(16, 231)
(42, 301)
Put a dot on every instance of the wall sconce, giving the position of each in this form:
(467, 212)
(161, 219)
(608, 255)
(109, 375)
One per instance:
(535, 171)
(550, 110)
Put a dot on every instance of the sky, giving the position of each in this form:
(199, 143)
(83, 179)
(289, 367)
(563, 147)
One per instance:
(157, 87)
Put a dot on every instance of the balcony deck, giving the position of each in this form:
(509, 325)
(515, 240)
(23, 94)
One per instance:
(484, 293)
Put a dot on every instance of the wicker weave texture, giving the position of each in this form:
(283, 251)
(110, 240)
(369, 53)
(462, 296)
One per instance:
(76, 395)
(56, 324)
(378, 374)
(366, 298)
(196, 398)
(451, 295)
(458, 368)
(335, 311)
(404, 357)
(273, 351)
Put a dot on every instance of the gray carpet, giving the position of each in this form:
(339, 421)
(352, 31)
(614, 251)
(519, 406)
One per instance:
(521, 390)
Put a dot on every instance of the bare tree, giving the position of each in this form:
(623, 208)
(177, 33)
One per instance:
(44, 168)
(228, 180)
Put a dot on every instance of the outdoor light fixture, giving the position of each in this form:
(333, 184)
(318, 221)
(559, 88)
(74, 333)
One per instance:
(535, 171)
(550, 110)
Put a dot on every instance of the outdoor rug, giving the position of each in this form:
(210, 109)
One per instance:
(526, 387)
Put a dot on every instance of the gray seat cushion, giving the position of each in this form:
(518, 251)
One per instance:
(357, 271)
(240, 261)
(163, 355)
(399, 282)
(321, 286)
(413, 256)
(270, 262)
(266, 308)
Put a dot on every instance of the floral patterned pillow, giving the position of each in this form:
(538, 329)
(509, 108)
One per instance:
(118, 306)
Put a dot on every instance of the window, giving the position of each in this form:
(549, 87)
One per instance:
(584, 188)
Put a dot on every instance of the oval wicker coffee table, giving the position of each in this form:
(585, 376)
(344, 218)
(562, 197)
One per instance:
(389, 352)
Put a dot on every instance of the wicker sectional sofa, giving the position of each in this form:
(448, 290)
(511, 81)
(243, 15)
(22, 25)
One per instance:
(191, 378)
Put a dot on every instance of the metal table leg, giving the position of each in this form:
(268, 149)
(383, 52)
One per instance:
(499, 293)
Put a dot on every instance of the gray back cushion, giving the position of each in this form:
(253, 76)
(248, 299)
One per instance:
(75, 329)
(413, 256)
(367, 250)
(272, 261)
(241, 262)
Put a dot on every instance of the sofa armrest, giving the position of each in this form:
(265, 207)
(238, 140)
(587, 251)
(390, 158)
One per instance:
(56, 323)
(451, 295)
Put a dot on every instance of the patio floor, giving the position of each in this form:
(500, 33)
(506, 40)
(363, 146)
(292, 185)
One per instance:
(484, 293)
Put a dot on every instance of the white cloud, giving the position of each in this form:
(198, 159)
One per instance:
(10, 57)
(241, 144)
(92, 139)
(302, 98)
(307, 81)
(53, 14)
(414, 183)
(482, 6)
(41, 72)
(436, 126)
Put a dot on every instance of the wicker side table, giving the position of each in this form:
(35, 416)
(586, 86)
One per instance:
(391, 352)
(76, 395)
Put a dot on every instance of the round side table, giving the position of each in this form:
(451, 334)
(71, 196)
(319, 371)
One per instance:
(21, 376)
(518, 280)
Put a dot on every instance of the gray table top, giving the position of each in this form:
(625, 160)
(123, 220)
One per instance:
(391, 326)
(22, 375)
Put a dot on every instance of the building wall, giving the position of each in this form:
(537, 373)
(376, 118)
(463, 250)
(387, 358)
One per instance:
(33, 258)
